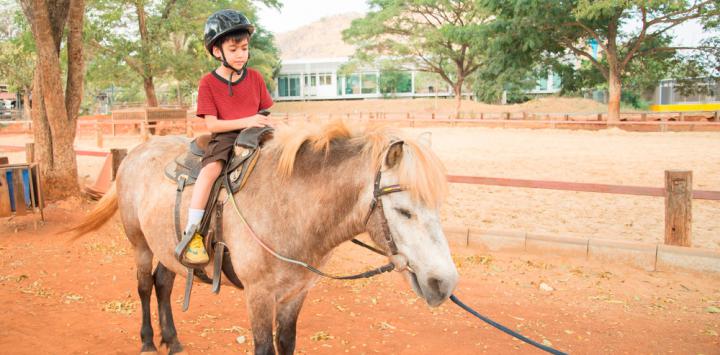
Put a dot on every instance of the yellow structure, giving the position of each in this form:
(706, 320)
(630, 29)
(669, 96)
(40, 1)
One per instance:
(715, 106)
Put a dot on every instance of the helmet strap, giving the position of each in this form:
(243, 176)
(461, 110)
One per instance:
(234, 71)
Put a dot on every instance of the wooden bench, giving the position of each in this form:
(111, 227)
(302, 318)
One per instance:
(20, 190)
(148, 117)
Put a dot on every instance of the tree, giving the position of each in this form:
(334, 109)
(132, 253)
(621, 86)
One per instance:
(162, 39)
(443, 37)
(528, 27)
(54, 110)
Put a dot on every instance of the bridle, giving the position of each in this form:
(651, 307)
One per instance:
(375, 204)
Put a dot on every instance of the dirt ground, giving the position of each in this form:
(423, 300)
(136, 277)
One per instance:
(80, 298)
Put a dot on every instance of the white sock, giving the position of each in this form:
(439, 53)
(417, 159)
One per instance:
(194, 217)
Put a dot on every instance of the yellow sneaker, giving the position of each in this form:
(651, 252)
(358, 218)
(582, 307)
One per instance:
(196, 253)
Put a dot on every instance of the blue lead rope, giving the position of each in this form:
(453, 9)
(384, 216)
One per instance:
(504, 328)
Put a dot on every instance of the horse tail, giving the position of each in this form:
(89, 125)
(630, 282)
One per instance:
(102, 212)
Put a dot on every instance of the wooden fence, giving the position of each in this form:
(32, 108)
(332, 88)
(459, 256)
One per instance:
(678, 194)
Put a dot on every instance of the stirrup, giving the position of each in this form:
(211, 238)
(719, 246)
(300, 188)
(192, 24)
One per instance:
(183, 246)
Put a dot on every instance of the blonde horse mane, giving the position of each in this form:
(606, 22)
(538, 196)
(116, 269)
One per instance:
(420, 171)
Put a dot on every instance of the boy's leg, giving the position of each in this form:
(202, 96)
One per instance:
(195, 252)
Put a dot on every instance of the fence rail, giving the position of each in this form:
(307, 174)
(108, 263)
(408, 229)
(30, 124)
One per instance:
(578, 187)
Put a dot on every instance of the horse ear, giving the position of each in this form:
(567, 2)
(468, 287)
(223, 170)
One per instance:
(394, 154)
(425, 139)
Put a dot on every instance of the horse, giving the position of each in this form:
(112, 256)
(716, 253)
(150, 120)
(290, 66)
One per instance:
(311, 190)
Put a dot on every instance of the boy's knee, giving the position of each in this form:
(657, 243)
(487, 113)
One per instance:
(213, 169)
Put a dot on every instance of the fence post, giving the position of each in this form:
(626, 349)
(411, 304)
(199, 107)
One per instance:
(29, 153)
(117, 157)
(716, 116)
(189, 128)
(678, 207)
(144, 131)
(98, 135)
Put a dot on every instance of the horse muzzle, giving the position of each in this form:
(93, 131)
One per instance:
(434, 287)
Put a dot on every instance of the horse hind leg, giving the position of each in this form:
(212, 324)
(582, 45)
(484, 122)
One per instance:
(164, 279)
(143, 259)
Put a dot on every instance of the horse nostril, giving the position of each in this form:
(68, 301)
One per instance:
(436, 286)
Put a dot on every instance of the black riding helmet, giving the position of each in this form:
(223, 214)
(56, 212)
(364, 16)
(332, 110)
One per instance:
(220, 24)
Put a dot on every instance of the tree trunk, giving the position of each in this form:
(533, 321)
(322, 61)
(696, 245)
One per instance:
(26, 114)
(614, 70)
(76, 64)
(41, 129)
(53, 125)
(614, 93)
(151, 98)
(457, 89)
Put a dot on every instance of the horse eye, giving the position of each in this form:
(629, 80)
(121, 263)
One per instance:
(404, 212)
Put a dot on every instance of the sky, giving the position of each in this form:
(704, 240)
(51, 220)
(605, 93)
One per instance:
(297, 13)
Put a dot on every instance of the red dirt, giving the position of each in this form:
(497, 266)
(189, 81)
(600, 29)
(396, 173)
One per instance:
(74, 298)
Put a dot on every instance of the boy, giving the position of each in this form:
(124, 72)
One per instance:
(227, 106)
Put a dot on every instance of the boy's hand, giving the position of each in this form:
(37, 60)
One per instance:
(258, 121)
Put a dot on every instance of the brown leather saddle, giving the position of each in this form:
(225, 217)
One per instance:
(184, 170)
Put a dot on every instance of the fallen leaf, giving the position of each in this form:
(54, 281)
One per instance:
(712, 309)
(321, 336)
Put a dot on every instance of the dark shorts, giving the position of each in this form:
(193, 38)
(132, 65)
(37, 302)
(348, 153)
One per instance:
(219, 147)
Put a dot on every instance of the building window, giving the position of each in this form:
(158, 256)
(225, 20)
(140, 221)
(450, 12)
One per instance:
(325, 79)
(310, 80)
(288, 85)
(352, 84)
(369, 83)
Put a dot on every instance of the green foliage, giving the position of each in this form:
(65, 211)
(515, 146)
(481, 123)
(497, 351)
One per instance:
(488, 87)
(444, 36)
(526, 32)
(17, 51)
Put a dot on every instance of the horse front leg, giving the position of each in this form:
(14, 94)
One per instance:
(260, 307)
(287, 316)
(164, 279)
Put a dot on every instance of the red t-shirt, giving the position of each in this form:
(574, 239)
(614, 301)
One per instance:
(249, 96)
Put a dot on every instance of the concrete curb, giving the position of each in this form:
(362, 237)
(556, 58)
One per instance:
(648, 256)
